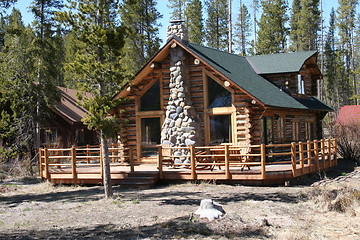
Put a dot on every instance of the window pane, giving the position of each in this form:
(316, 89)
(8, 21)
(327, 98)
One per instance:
(218, 95)
(150, 131)
(220, 129)
(150, 101)
(267, 133)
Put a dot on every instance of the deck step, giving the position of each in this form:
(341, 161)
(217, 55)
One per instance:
(140, 180)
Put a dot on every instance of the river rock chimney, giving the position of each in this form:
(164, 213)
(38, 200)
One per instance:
(178, 30)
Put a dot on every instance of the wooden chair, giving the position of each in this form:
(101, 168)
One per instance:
(240, 153)
(166, 156)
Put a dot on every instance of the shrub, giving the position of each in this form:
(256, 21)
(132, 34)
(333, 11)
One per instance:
(348, 138)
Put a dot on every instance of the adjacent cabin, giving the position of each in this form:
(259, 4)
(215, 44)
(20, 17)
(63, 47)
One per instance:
(64, 127)
(188, 94)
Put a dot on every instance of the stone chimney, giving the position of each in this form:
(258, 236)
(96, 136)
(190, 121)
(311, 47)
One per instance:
(181, 125)
(177, 29)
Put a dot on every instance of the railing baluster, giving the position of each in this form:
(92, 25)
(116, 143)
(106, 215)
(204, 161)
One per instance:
(73, 163)
(227, 163)
(192, 162)
(293, 158)
(301, 154)
(263, 161)
(160, 160)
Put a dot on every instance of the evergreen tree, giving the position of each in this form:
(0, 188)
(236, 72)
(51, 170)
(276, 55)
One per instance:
(216, 33)
(272, 30)
(47, 73)
(98, 65)
(309, 25)
(346, 26)
(17, 91)
(243, 30)
(295, 26)
(194, 21)
(178, 9)
(142, 29)
(331, 73)
(356, 61)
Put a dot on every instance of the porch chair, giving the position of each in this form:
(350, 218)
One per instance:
(241, 154)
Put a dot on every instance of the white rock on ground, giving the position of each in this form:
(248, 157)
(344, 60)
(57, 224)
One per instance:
(210, 209)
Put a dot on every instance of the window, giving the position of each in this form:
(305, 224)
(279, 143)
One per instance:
(301, 85)
(150, 131)
(267, 132)
(218, 96)
(150, 101)
(220, 129)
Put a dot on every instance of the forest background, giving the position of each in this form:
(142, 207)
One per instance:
(98, 46)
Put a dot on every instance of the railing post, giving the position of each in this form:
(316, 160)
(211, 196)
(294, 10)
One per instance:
(192, 162)
(73, 163)
(263, 160)
(293, 158)
(41, 168)
(87, 153)
(335, 151)
(323, 155)
(309, 155)
(227, 163)
(301, 154)
(328, 146)
(131, 155)
(101, 164)
(160, 158)
(316, 152)
(46, 161)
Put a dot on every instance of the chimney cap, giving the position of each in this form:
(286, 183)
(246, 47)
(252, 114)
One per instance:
(179, 21)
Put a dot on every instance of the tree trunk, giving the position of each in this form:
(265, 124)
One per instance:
(106, 166)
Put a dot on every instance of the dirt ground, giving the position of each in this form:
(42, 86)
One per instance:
(308, 209)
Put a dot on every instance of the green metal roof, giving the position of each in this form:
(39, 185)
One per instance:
(279, 63)
(239, 70)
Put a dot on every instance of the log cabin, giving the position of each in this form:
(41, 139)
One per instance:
(188, 94)
(64, 128)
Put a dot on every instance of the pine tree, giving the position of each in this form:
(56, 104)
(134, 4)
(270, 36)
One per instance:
(178, 9)
(98, 65)
(17, 91)
(272, 30)
(331, 70)
(295, 25)
(243, 30)
(346, 25)
(142, 29)
(216, 33)
(356, 61)
(47, 73)
(194, 21)
(309, 25)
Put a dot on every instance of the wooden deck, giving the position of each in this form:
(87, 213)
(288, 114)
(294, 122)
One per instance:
(267, 163)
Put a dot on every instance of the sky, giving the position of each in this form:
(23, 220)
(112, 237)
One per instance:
(165, 11)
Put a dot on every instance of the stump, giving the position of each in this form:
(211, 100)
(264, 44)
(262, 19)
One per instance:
(210, 210)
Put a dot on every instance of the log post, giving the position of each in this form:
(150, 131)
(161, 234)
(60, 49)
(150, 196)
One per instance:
(293, 158)
(335, 150)
(160, 158)
(301, 154)
(192, 162)
(101, 164)
(73, 163)
(87, 153)
(263, 160)
(308, 148)
(131, 156)
(227, 163)
(328, 143)
(323, 154)
(41, 167)
(46, 161)
(316, 152)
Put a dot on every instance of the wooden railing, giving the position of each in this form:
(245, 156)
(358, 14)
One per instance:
(81, 156)
(301, 157)
(298, 157)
